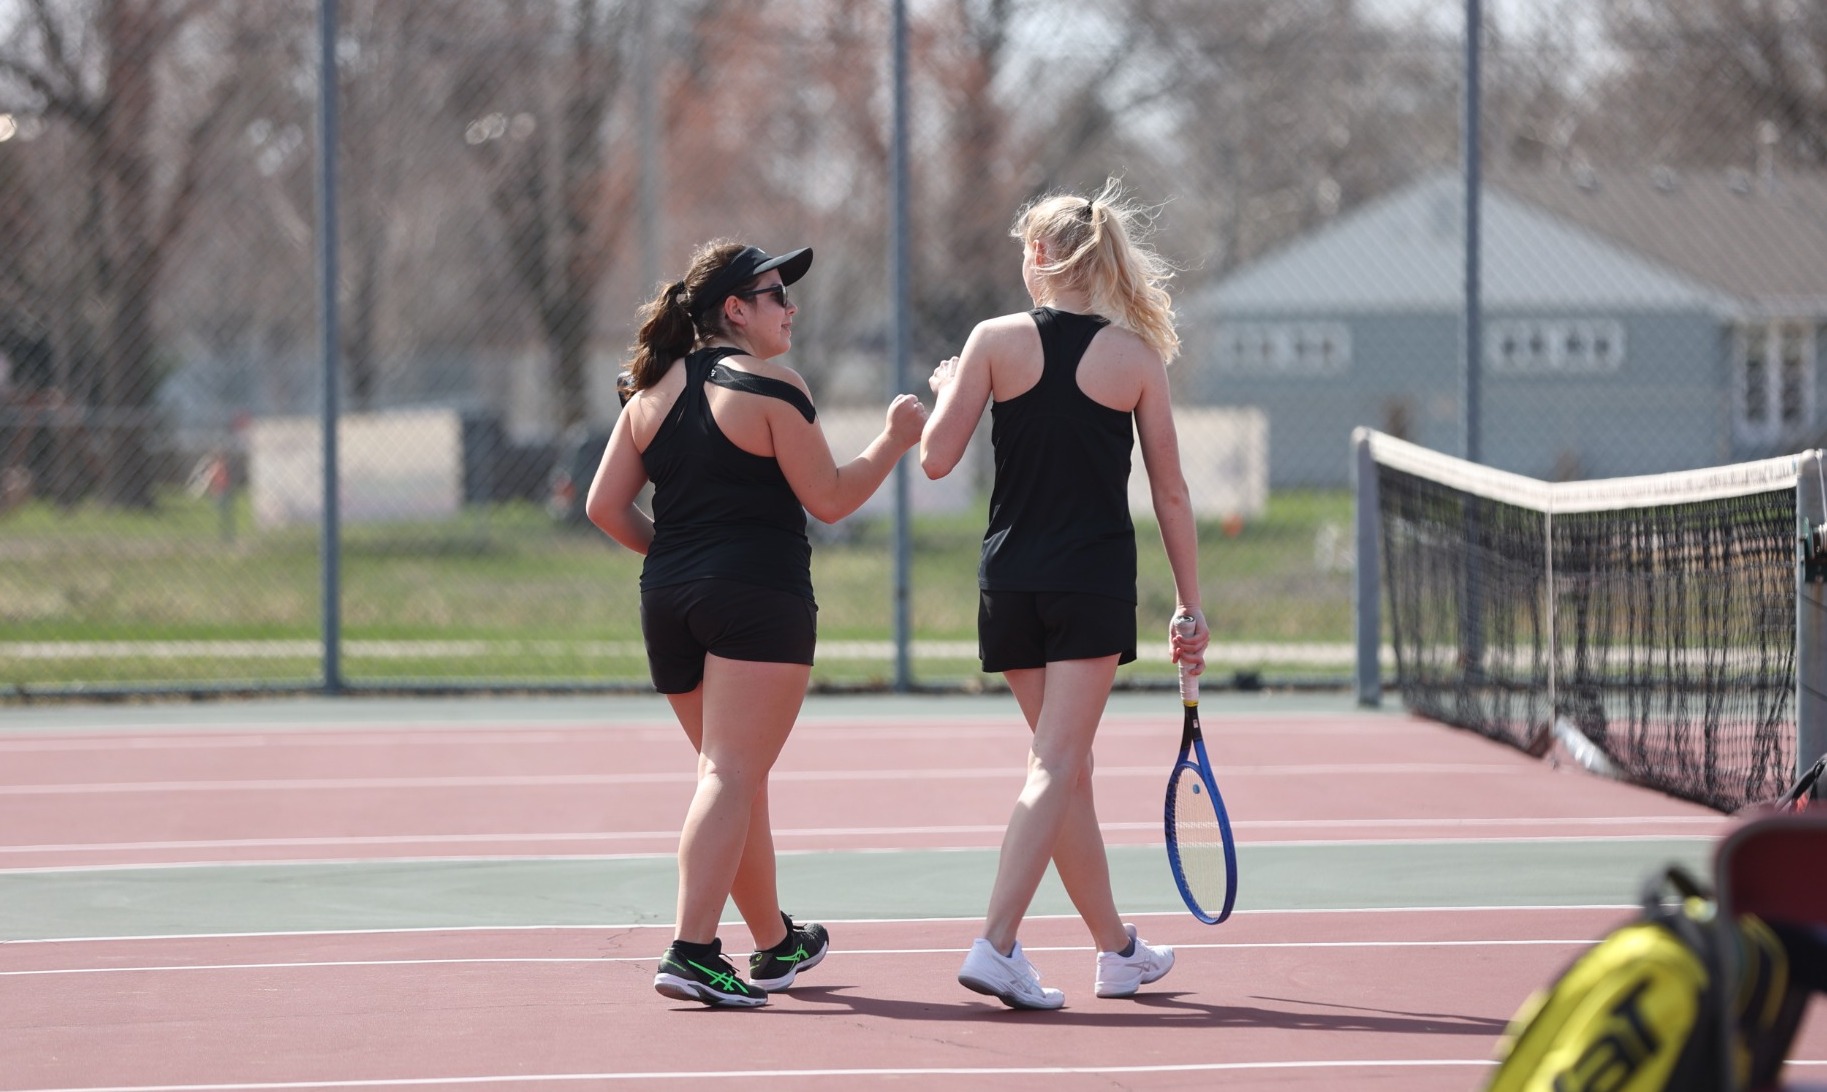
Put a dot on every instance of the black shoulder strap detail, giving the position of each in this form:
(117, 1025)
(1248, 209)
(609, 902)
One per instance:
(750, 383)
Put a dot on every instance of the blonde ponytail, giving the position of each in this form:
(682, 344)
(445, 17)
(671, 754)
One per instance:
(1099, 250)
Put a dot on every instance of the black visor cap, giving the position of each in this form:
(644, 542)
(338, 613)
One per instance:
(749, 263)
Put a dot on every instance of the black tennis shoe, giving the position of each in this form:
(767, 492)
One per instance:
(699, 972)
(775, 968)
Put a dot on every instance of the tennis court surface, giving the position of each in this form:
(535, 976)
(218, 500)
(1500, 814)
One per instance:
(473, 893)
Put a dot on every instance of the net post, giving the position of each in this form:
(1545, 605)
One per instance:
(1810, 614)
(1366, 600)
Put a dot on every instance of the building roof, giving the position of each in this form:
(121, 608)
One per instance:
(1761, 240)
(1404, 253)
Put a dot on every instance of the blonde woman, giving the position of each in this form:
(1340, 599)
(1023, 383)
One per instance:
(1069, 385)
(730, 439)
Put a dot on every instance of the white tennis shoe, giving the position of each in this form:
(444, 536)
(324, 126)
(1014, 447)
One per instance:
(1010, 979)
(1122, 976)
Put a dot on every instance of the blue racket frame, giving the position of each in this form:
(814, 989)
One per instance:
(1201, 766)
(1193, 757)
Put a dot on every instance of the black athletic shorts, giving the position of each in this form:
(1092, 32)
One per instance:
(736, 621)
(1033, 629)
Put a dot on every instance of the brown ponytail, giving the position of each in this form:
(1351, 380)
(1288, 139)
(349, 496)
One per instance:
(667, 331)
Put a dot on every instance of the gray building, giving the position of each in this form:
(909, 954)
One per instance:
(1633, 324)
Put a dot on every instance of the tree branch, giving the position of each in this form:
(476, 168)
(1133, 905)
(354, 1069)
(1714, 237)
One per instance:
(177, 16)
(57, 102)
(55, 50)
(190, 175)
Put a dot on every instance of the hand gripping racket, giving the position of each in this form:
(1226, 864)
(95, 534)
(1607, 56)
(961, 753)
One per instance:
(1806, 790)
(1199, 845)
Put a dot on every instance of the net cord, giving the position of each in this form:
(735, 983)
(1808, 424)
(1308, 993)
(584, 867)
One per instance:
(1602, 495)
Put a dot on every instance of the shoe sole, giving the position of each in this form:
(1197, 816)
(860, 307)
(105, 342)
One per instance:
(785, 980)
(684, 989)
(1011, 999)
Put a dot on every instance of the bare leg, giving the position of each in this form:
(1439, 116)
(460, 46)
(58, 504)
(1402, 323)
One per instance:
(754, 892)
(747, 710)
(1078, 851)
(1073, 695)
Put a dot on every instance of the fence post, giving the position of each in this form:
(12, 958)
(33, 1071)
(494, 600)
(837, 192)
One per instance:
(1367, 601)
(330, 339)
(1810, 614)
(900, 280)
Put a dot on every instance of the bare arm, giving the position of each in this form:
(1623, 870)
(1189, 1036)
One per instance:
(963, 386)
(830, 491)
(1174, 513)
(619, 478)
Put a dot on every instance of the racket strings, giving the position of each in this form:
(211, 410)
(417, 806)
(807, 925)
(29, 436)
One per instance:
(1198, 843)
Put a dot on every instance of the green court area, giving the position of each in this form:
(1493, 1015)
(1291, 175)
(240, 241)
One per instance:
(839, 885)
(1320, 870)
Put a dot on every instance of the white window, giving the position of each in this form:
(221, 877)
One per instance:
(1284, 348)
(1554, 347)
(1773, 381)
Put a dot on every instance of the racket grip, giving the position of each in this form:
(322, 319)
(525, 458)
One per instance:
(1185, 626)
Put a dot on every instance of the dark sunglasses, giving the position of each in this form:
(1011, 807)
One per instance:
(778, 291)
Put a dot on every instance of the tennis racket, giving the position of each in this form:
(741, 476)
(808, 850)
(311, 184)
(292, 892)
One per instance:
(1805, 791)
(1199, 846)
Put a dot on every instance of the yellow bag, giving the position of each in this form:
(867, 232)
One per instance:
(1638, 1012)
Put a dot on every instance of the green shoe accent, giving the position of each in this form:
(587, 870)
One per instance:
(684, 978)
(803, 948)
(721, 979)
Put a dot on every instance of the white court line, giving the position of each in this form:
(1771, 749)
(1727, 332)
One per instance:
(1333, 825)
(1080, 948)
(1218, 654)
(750, 1076)
(861, 728)
(133, 741)
(316, 784)
(667, 927)
(670, 854)
(299, 649)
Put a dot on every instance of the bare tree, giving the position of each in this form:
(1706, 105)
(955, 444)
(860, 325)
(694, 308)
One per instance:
(970, 188)
(797, 145)
(1713, 83)
(1289, 113)
(768, 127)
(1534, 94)
(534, 109)
(379, 117)
(95, 69)
(1028, 102)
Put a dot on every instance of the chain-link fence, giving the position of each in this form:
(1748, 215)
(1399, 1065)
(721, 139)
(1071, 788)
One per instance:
(514, 177)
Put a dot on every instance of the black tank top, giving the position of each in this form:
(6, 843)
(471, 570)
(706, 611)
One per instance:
(1059, 509)
(719, 511)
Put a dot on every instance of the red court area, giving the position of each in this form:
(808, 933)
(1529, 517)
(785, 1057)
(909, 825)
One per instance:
(1410, 997)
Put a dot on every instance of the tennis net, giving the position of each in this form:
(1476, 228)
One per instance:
(1656, 616)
